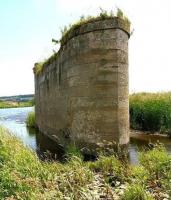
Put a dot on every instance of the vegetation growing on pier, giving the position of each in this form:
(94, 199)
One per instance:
(84, 20)
(65, 32)
(24, 176)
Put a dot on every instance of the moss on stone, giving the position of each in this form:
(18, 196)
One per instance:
(38, 67)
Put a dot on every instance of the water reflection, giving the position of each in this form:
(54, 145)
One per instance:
(14, 120)
(140, 140)
(48, 148)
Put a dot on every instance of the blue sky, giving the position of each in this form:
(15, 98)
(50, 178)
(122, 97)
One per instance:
(27, 27)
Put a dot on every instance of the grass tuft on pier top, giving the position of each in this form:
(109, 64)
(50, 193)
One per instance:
(38, 68)
(24, 176)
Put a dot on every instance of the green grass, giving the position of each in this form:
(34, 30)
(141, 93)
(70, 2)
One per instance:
(136, 192)
(12, 104)
(23, 176)
(151, 112)
(30, 120)
(83, 20)
(157, 161)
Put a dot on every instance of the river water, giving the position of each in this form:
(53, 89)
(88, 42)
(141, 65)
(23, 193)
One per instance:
(14, 120)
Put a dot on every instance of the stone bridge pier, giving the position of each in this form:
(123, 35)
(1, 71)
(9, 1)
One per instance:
(82, 94)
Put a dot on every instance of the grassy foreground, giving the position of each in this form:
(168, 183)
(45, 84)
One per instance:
(151, 112)
(24, 176)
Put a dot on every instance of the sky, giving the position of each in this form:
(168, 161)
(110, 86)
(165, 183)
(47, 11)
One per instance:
(28, 26)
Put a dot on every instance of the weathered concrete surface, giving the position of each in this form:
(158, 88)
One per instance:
(82, 95)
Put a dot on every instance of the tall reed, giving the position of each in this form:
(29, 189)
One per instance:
(151, 112)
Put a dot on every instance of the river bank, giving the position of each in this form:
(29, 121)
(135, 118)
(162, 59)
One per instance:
(15, 120)
(24, 176)
(148, 136)
(14, 104)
